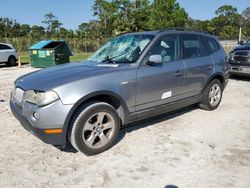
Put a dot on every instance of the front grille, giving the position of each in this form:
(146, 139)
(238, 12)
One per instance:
(241, 53)
(241, 56)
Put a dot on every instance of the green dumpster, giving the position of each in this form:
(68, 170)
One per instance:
(49, 53)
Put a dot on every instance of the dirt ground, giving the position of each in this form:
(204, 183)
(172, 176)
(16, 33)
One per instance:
(188, 148)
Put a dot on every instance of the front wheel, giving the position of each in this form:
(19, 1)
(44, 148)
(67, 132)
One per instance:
(95, 128)
(212, 95)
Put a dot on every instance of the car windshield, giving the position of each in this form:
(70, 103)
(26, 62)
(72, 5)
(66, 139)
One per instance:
(122, 49)
(248, 42)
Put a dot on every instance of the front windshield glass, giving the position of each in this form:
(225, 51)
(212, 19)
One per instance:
(122, 49)
(248, 42)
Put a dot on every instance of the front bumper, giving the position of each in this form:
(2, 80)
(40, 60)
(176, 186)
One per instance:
(239, 70)
(51, 117)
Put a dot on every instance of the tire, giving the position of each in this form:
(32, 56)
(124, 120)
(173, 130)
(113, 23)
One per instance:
(95, 128)
(232, 76)
(212, 95)
(11, 61)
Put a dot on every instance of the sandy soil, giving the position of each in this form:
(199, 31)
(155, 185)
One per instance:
(188, 148)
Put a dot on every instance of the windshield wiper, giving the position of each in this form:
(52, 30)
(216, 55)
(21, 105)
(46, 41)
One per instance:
(111, 60)
(108, 60)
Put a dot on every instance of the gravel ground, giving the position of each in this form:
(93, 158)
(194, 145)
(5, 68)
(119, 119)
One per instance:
(187, 148)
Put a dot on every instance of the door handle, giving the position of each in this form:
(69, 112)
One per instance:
(178, 73)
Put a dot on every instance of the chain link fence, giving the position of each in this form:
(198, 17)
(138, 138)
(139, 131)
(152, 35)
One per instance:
(87, 45)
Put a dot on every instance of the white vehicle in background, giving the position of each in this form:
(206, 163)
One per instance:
(8, 54)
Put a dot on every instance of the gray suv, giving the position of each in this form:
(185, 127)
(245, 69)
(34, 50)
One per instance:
(132, 77)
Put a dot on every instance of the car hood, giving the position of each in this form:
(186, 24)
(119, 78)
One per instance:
(53, 77)
(242, 47)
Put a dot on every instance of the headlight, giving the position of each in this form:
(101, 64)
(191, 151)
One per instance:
(13, 90)
(231, 55)
(40, 98)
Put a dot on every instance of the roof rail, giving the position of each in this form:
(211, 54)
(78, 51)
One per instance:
(183, 29)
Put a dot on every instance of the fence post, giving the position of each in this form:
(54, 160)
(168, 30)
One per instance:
(240, 35)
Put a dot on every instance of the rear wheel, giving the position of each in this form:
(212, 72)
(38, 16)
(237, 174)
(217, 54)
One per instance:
(95, 128)
(212, 95)
(11, 61)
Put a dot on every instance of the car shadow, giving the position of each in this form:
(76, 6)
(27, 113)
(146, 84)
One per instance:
(126, 129)
(6, 66)
(170, 186)
(240, 78)
(153, 120)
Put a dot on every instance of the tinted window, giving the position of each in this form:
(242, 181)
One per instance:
(193, 47)
(213, 45)
(167, 47)
(4, 47)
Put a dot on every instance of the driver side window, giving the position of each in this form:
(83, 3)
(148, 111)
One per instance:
(167, 47)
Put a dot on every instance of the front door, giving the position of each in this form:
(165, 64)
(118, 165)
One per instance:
(161, 83)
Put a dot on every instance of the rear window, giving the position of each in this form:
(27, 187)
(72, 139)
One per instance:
(211, 44)
(4, 47)
(193, 47)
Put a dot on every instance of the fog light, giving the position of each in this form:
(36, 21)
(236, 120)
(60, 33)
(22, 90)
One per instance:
(36, 115)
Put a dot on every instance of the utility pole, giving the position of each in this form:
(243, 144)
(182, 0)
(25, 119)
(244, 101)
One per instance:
(240, 34)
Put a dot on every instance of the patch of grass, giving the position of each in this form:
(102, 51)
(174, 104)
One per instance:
(25, 58)
(79, 57)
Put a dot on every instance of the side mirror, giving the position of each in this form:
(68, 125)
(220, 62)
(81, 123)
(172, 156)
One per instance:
(241, 42)
(155, 59)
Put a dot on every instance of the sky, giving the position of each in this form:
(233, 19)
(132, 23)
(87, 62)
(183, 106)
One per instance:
(74, 12)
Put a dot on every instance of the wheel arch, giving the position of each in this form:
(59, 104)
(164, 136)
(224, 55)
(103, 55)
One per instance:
(11, 57)
(103, 96)
(218, 76)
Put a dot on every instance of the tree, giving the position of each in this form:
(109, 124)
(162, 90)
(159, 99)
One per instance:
(246, 14)
(140, 14)
(201, 25)
(52, 24)
(167, 13)
(246, 22)
(105, 12)
(83, 27)
(24, 30)
(227, 22)
(37, 32)
(226, 10)
(132, 15)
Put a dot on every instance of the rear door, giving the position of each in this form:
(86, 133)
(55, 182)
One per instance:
(5, 52)
(1, 53)
(162, 83)
(199, 63)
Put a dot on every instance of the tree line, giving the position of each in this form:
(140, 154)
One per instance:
(118, 16)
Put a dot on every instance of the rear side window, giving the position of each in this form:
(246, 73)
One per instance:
(193, 46)
(4, 47)
(213, 45)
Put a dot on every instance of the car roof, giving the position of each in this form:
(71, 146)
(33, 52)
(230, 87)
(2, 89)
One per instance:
(6, 44)
(171, 30)
(140, 33)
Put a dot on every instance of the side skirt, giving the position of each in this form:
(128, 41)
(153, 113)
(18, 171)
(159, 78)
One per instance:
(150, 112)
